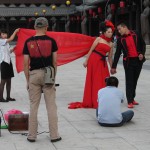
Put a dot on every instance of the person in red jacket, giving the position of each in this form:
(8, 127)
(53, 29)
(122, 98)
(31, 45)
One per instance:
(132, 46)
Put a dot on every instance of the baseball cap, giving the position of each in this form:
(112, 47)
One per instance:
(41, 22)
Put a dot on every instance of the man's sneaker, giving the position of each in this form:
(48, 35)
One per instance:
(130, 105)
(135, 103)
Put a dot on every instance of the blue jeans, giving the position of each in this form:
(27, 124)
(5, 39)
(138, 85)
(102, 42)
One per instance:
(126, 117)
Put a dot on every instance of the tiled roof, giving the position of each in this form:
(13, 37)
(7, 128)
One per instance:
(84, 7)
(91, 2)
(62, 10)
(30, 11)
(39, 1)
(88, 4)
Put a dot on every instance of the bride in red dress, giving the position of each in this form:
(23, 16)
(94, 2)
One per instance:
(97, 68)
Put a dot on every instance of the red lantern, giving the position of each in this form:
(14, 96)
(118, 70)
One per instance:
(83, 17)
(112, 6)
(99, 10)
(94, 14)
(71, 18)
(90, 11)
(78, 18)
(30, 19)
(122, 4)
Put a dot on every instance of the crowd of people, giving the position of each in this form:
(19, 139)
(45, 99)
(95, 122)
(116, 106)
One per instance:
(100, 91)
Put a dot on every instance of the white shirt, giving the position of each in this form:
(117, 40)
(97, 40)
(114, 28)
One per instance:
(109, 101)
(4, 51)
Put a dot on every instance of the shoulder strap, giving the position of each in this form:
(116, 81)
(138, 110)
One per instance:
(39, 51)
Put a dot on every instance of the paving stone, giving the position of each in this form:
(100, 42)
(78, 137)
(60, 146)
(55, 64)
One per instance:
(78, 128)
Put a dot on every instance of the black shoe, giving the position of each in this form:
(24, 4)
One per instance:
(56, 140)
(3, 100)
(31, 140)
(10, 99)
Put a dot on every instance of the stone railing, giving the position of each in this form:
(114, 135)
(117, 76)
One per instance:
(147, 54)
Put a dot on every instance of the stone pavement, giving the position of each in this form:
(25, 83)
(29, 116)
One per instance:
(78, 128)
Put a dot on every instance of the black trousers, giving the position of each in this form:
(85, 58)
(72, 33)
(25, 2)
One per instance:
(132, 67)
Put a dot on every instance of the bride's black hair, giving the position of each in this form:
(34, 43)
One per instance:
(103, 27)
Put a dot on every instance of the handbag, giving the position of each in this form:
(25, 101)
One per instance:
(49, 74)
(49, 77)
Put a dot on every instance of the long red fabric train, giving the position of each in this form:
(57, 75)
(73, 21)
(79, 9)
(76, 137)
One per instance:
(71, 46)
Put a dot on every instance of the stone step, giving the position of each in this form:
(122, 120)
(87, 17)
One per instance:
(147, 54)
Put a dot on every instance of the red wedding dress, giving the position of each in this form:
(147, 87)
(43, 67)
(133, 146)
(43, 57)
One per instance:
(97, 71)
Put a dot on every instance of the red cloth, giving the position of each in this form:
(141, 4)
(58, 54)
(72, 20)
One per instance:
(106, 38)
(10, 112)
(132, 51)
(75, 105)
(97, 71)
(108, 23)
(71, 46)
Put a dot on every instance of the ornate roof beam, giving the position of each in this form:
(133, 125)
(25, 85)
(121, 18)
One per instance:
(38, 1)
(30, 11)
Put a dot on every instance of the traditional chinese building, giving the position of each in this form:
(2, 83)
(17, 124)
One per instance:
(80, 16)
